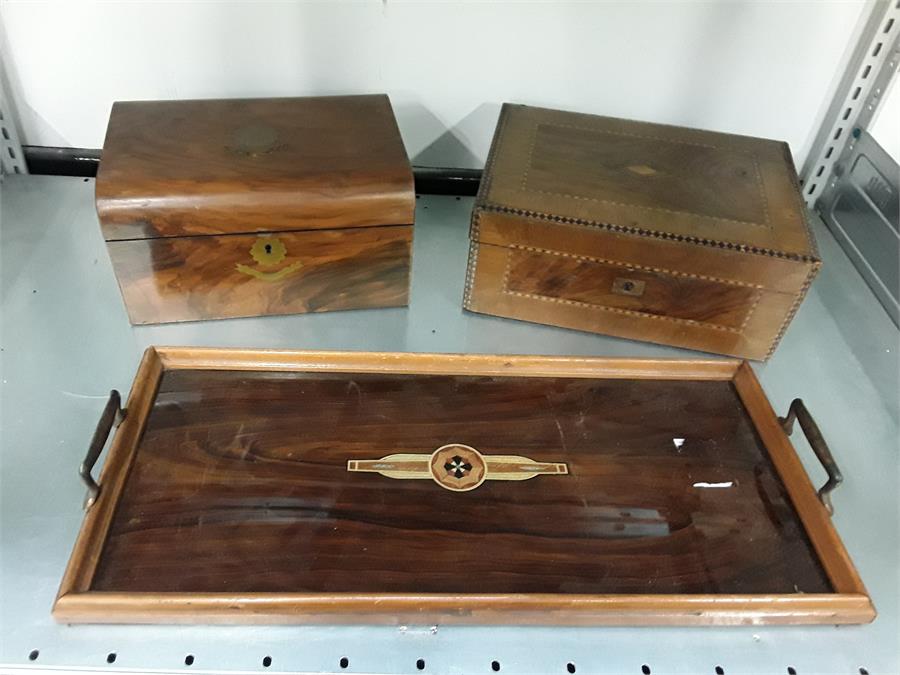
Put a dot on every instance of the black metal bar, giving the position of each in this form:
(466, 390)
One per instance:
(446, 181)
(61, 161)
(84, 162)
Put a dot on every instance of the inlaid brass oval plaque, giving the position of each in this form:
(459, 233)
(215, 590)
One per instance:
(253, 140)
(642, 170)
(457, 467)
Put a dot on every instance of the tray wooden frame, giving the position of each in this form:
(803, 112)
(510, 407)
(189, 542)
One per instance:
(76, 603)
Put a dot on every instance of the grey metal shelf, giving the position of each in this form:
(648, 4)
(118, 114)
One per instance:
(66, 341)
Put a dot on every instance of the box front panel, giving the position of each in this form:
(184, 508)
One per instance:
(212, 277)
(617, 287)
(621, 299)
(731, 265)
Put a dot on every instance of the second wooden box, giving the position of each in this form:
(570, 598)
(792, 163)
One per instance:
(678, 236)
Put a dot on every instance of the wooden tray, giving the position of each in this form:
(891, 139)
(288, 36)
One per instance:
(297, 487)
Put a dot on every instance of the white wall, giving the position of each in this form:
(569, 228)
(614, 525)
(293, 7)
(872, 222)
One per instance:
(886, 127)
(759, 68)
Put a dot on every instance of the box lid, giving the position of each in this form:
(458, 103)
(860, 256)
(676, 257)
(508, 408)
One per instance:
(648, 179)
(172, 168)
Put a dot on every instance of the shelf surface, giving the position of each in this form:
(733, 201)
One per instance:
(66, 342)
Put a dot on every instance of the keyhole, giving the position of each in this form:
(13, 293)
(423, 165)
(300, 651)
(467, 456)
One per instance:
(268, 248)
(628, 286)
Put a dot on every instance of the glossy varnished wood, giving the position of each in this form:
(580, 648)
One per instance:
(712, 224)
(228, 208)
(173, 168)
(260, 461)
(238, 505)
(189, 278)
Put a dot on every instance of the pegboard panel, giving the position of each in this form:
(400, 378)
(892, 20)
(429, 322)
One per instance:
(875, 62)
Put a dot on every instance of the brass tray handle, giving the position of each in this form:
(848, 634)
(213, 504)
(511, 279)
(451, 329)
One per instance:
(798, 411)
(113, 413)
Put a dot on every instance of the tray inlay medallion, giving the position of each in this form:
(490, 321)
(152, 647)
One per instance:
(457, 467)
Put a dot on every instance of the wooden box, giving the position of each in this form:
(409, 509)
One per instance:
(318, 487)
(227, 208)
(666, 234)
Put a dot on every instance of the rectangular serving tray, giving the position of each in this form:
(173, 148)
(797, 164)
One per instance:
(257, 486)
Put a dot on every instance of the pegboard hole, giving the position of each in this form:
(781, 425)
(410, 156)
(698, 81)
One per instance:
(111, 657)
(645, 669)
(828, 152)
(856, 93)
(888, 26)
(189, 660)
(866, 71)
(420, 664)
(34, 653)
(877, 49)
(863, 671)
(5, 133)
(792, 670)
(570, 667)
(812, 188)
(267, 661)
(495, 666)
(837, 134)
(344, 662)
(720, 670)
(847, 113)
(11, 153)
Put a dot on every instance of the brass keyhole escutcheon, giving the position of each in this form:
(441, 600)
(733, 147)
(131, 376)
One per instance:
(632, 287)
(268, 251)
(269, 254)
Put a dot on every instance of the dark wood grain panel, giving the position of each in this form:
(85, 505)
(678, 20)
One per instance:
(252, 165)
(678, 296)
(645, 177)
(190, 278)
(648, 171)
(241, 485)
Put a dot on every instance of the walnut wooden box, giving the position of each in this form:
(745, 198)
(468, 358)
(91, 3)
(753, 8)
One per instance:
(297, 487)
(665, 234)
(226, 208)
